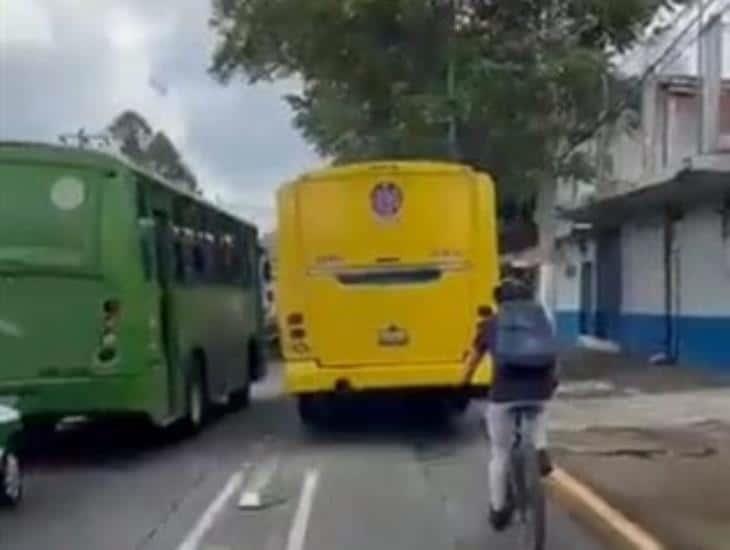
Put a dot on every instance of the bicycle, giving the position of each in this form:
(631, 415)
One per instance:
(525, 483)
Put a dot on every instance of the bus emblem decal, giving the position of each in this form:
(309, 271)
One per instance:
(386, 200)
(392, 336)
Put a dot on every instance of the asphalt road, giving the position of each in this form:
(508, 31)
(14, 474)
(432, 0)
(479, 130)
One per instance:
(387, 480)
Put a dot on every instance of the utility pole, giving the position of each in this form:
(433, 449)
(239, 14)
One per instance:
(701, 145)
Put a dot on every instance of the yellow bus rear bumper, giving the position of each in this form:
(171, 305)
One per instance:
(310, 377)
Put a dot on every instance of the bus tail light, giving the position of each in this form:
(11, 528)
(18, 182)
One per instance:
(295, 319)
(300, 347)
(111, 310)
(297, 333)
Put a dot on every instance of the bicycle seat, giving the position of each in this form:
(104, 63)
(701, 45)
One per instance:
(528, 409)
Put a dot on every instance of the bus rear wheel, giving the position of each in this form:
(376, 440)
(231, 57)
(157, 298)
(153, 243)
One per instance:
(196, 401)
(241, 398)
(312, 410)
(459, 405)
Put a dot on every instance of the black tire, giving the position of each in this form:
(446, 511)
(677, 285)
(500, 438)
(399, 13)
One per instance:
(311, 411)
(11, 479)
(534, 527)
(196, 401)
(256, 358)
(241, 398)
(437, 411)
(459, 406)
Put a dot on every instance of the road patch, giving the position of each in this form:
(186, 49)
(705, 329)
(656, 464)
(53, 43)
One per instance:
(257, 493)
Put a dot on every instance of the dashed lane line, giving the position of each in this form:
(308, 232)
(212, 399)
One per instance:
(207, 520)
(298, 532)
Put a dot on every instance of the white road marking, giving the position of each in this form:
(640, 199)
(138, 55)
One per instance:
(206, 521)
(298, 531)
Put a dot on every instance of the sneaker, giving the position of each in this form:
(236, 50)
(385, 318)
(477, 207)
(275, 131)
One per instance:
(544, 462)
(500, 519)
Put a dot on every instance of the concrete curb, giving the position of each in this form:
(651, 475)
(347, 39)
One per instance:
(590, 507)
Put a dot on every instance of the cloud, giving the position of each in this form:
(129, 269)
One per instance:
(24, 24)
(66, 64)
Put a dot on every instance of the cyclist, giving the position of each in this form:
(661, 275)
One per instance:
(513, 384)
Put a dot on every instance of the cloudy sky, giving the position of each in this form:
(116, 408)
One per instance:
(66, 64)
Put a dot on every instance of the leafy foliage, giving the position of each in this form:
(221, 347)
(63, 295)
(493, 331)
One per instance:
(517, 81)
(153, 150)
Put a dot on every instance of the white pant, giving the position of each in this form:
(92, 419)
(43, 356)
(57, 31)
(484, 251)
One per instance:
(501, 427)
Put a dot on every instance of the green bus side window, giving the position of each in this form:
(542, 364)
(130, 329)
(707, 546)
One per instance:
(179, 253)
(145, 227)
(244, 260)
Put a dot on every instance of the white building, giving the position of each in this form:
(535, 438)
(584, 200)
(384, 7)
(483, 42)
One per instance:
(653, 273)
(646, 262)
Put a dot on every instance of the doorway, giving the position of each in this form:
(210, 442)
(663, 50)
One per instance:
(585, 319)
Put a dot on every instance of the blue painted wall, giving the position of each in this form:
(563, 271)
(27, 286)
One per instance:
(643, 333)
(567, 326)
(701, 341)
(705, 341)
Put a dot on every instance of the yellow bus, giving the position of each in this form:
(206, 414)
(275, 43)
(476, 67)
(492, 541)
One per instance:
(384, 271)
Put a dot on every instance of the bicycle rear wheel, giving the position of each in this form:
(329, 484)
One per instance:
(533, 521)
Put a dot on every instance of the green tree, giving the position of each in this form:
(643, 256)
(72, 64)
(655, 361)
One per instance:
(514, 83)
(151, 149)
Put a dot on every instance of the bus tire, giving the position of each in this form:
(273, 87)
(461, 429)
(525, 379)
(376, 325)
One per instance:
(256, 361)
(459, 406)
(11, 479)
(196, 409)
(241, 398)
(310, 408)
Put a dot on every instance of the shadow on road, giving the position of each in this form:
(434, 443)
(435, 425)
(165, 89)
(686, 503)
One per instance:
(107, 444)
(102, 444)
(376, 421)
(272, 419)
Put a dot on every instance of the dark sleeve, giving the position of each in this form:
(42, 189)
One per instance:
(484, 339)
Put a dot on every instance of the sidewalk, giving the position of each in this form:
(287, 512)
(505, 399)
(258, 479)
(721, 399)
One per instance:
(654, 441)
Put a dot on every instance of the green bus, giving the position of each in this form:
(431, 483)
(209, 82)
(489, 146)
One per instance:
(121, 294)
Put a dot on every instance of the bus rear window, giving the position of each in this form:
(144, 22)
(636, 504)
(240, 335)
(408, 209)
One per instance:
(47, 217)
(385, 277)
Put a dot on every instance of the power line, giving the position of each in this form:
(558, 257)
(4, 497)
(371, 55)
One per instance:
(677, 39)
(608, 114)
(725, 9)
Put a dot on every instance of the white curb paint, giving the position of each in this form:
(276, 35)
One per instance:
(633, 534)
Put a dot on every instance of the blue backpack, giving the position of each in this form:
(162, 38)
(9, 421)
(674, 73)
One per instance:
(524, 336)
